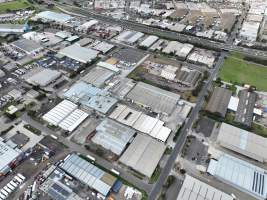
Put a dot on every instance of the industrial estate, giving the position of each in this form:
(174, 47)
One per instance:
(133, 100)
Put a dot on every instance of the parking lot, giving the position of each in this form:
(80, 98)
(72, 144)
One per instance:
(195, 151)
(128, 55)
(52, 61)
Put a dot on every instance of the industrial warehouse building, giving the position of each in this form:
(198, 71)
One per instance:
(108, 66)
(240, 174)
(244, 113)
(27, 46)
(8, 155)
(113, 136)
(179, 49)
(98, 76)
(13, 28)
(243, 142)
(149, 41)
(188, 76)
(194, 189)
(88, 174)
(66, 115)
(249, 31)
(143, 155)
(130, 37)
(219, 101)
(85, 26)
(44, 77)
(141, 122)
(53, 16)
(78, 53)
(90, 96)
(158, 100)
(103, 47)
(202, 58)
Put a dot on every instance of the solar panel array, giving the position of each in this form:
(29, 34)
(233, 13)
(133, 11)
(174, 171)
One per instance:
(57, 192)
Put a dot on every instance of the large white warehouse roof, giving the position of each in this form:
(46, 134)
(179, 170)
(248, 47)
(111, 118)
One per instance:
(243, 142)
(242, 175)
(54, 16)
(194, 189)
(81, 54)
(66, 115)
(141, 122)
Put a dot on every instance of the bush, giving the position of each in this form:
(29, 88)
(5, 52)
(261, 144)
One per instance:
(170, 180)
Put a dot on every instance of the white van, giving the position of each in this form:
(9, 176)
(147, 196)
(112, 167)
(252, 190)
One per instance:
(18, 179)
(21, 176)
(4, 193)
(11, 187)
(2, 196)
(90, 157)
(13, 184)
(7, 189)
(115, 172)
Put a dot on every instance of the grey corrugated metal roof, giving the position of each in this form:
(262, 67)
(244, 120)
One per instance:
(244, 113)
(157, 99)
(143, 154)
(78, 53)
(113, 136)
(219, 101)
(87, 173)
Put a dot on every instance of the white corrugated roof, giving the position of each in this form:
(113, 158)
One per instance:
(143, 155)
(89, 24)
(78, 53)
(141, 122)
(54, 16)
(66, 116)
(150, 40)
(193, 189)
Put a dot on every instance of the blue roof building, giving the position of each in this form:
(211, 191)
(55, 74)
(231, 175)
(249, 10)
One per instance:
(91, 97)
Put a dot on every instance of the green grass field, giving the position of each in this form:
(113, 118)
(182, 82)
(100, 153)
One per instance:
(235, 69)
(14, 5)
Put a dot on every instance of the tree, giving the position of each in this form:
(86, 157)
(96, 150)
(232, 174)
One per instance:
(182, 171)
(218, 80)
(170, 180)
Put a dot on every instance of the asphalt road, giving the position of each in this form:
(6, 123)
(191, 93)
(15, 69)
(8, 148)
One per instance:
(171, 35)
